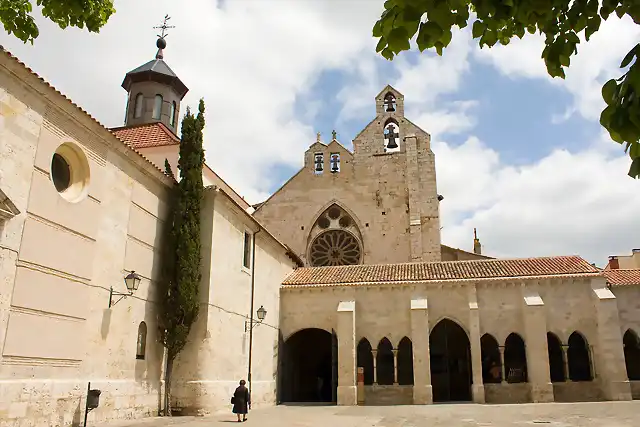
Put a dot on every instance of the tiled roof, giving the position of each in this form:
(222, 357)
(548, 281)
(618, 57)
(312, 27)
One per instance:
(146, 135)
(441, 271)
(80, 109)
(622, 277)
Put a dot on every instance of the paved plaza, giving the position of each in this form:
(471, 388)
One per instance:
(602, 414)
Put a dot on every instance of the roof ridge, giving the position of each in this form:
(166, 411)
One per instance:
(468, 261)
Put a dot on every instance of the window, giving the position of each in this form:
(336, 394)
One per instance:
(137, 113)
(246, 253)
(318, 160)
(157, 107)
(334, 158)
(172, 114)
(141, 346)
(70, 172)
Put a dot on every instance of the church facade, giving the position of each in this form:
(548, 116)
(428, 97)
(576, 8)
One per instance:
(361, 302)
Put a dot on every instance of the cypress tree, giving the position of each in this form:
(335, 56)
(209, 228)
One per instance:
(179, 287)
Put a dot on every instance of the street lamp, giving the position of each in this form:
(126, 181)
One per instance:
(249, 324)
(131, 281)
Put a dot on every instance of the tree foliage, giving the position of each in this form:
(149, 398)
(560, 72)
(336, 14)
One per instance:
(179, 288)
(561, 22)
(16, 15)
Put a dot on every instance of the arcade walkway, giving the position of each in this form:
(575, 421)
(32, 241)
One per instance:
(604, 414)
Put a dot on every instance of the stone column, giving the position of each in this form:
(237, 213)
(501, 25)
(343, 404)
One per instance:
(565, 362)
(422, 393)
(609, 361)
(502, 368)
(374, 353)
(537, 353)
(346, 330)
(360, 385)
(395, 366)
(477, 388)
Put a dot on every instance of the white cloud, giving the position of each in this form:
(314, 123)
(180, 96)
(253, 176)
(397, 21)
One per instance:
(597, 61)
(566, 203)
(246, 59)
(251, 63)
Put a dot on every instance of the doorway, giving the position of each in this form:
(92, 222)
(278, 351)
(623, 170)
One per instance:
(309, 371)
(450, 353)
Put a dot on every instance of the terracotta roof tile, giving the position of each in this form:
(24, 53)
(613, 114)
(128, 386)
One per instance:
(146, 135)
(439, 271)
(622, 277)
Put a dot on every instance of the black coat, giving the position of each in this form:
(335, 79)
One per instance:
(241, 401)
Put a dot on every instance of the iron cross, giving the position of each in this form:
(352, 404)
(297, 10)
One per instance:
(164, 27)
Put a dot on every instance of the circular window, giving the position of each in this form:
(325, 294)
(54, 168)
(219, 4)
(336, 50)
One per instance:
(334, 212)
(324, 222)
(60, 173)
(70, 172)
(345, 221)
(335, 247)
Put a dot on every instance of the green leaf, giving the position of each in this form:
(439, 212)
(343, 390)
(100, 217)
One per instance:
(382, 43)
(609, 91)
(377, 29)
(634, 151)
(439, 47)
(399, 40)
(478, 29)
(629, 57)
(634, 170)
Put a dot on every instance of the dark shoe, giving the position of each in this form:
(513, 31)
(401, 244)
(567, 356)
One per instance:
(244, 419)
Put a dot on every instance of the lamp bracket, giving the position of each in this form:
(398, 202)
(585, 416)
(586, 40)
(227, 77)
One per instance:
(250, 324)
(112, 294)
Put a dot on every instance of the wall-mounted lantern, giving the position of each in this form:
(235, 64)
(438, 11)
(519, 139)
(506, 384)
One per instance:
(261, 313)
(132, 282)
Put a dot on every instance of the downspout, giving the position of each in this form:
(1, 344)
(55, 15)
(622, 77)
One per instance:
(253, 282)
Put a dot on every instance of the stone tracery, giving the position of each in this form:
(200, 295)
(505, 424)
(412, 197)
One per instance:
(334, 239)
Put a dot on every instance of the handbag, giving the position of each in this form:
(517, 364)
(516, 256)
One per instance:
(233, 400)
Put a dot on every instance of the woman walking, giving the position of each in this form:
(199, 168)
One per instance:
(241, 401)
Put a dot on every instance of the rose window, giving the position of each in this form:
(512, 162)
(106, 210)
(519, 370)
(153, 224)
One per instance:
(335, 247)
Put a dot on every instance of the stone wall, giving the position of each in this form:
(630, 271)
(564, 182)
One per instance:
(216, 358)
(391, 196)
(503, 307)
(385, 395)
(63, 256)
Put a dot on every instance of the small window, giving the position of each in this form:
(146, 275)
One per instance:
(335, 162)
(318, 160)
(172, 115)
(137, 113)
(246, 253)
(141, 346)
(157, 107)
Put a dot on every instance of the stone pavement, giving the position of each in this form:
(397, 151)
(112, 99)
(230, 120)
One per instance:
(601, 414)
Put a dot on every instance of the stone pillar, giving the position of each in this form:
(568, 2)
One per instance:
(609, 361)
(422, 393)
(413, 183)
(477, 388)
(395, 366)
(565, 362)
(504, 374)
(346, 330)
(537, 353)
(374, 353)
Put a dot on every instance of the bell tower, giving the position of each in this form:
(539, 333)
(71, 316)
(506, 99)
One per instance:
(155, 91)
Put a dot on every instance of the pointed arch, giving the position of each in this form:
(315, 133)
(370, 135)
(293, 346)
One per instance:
(385, 368)
(365, 360)
(391, 132)
(578, 358)
(491, 364)
(405, 362)
(334, 238)
(631, 344)
(556, 358)
(450, 362)
(515, 359)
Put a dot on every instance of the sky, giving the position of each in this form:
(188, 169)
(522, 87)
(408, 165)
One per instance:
(519, 156)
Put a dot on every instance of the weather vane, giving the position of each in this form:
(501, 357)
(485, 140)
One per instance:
(164, 27)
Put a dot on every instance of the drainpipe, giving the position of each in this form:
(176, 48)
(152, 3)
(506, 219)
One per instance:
(253, 282)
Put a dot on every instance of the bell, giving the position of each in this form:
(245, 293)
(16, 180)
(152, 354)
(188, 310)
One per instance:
(390, 108)
(392, 143)
(390, 100)
(318, 167)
